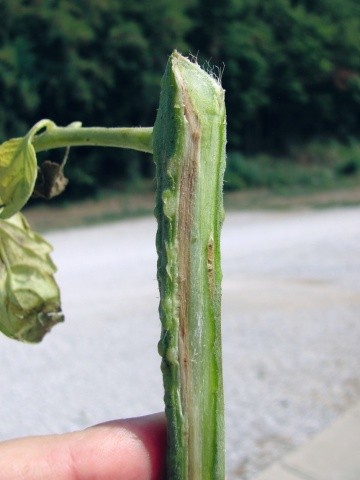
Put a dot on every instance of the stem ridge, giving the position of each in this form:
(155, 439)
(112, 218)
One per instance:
(189, 151)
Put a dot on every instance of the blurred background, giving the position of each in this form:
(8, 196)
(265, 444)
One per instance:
(291, 70)
(291, 291)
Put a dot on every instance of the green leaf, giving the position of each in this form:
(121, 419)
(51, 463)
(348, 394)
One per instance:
(29, 295)
(18, 170)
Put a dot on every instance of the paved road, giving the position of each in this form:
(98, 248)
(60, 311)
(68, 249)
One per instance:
(291, 333)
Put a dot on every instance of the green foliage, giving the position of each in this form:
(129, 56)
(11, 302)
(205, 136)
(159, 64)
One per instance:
(291, 68)
(316, 165)
(100, 62)
(87, 57)
(343, 160)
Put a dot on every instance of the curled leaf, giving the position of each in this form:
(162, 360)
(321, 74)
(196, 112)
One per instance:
(50, 181)
(29, 295)
(18, 170)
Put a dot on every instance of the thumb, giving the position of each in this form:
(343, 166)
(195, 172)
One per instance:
(131, 449)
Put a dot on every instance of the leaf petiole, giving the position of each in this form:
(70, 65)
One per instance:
(139, 138)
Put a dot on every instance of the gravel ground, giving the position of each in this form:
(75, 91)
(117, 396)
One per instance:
(291, 333)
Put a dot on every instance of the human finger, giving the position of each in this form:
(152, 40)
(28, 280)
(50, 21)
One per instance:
(131, 449)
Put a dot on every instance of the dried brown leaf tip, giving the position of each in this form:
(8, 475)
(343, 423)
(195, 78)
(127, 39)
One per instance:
(51, 181)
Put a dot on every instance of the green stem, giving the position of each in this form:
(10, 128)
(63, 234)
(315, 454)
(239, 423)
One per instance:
(56, 137)
(189, 151)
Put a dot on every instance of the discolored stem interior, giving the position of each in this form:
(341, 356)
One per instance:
(189, 151)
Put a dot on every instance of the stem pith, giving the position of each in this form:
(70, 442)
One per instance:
(188, 142)
(189, 151)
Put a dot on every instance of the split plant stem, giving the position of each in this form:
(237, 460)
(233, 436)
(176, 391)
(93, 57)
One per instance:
(188, 142)
(189, 150)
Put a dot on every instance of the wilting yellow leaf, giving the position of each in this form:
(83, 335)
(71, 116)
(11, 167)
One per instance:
(29, 295)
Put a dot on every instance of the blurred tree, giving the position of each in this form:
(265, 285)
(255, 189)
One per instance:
(291, 67)
(98, 62)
